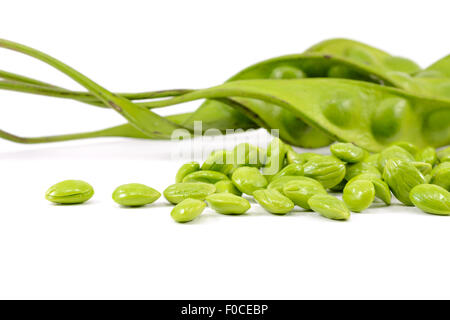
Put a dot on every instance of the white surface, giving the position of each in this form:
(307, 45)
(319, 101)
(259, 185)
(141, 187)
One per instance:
(99, 250)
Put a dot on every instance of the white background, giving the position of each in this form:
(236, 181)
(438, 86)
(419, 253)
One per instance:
(99, 250)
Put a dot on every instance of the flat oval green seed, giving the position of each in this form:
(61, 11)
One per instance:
(347, 152)
(382, 190)
(393, 152)
(301, 158)
(293, 169)
(226, 186)
(279, 183)
(245, 154)
(70, 192)
(427, 155)
(431, 199)
(206, 176)
(356, 169)
(181, 191)
(372, 159)
(187, 210)
(329, 207)
(408, 146)
(186, 169)
(440, 175)
(227, 203)
(339, 187)
(444, 155)
(248, 179)
(299, 191)
(135, 195)
(387, 118)
(273, 201)
(219, 160)
(328, 170)
(423, 167)
(359, 195)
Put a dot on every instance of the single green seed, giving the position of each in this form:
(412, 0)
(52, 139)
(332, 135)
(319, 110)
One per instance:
(287, 72)
(226, 186)
(181, 191)
(301, 158)
(372, 159)
(339, 187)
(423, 167)
(359, 195)
(70, 192)
(248, 179)
(135, 195)
(227, 203)
(382, 190)
(273, 201)
(186, 169)
(444, 155)
(245, 154)
(408, 146)
(329, 207)
(427, 155)
(356, 169)
(431, 198)
(393, 152)
(293, 169)
(279, 183)
(187, 210)
(440, 175)
(219, 160)
(206, 176)
(347, 152)
(328, 170)
(276, 154)
(299, 191)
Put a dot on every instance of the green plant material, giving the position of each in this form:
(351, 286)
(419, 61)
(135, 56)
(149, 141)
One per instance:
(372, 159)
(408, 146)
(427, 155)
(361, 167)
(301, 158)
(178, 192)
(328, 170)
(279, 183)
(424, 167)
(219, 160)
(226, 186)
(186, 169)
(227, 203)
(293, 169)
(299, 191)
(444, 155)
(275, 156)
(440, 175)
(248, 155)
(431, 198)
(287, 72)
(273, 201)
(135, 195)
(248, 180)
(70, 192)
(206, 176)
(359, 195)
(329, 207)
(393, 152)
(382, 190)
(347, 152)
(187, 210)
(402, 176)
(339, 187)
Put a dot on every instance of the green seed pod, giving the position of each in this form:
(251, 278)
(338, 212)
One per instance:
(187, 210)
(227, 203)
(359, 195)
(186, 169)
(408, 146)
(226, 186)
(361, 167)
(423, 167)
(301, 158)
(248, 179)
(299, 191)
(293, 169)
(219, 160)
(382, 190)
(444, 155)
(287, 72)
(205, 176)
(70, 192)
(329, 207)
(431, 199)
(273, 201)
(135, 195)
(328, 170)
(402, 176)
(393, 152)
(347, 152)
(279, 183)
(248, 155)
(440, 175)
(181, 191)
(427, 155)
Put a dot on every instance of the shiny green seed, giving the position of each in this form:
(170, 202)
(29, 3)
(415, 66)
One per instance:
(440, 175)
(423, 167)
(226, 186)
(279, 183)
(301, 158)
(402, 176)
(356, 169)
(359, 195)
(427, 155)
(372, 159)
(431, 199)
(444, 155)
(219, 160)
(227, 203)
(70, 192)
(293, 169)
(248, 179)
(347, 152)
(276, 153)
(382, 190)
(393, 152)
(187, 210)
(299, 191)
(245, 154)
(287, 72)
(186, 169)
(408, 146)
(328, 170)
(273, 201)
(181, 191)
(206, 176)
(329, 207)
(135, 195)
(339, 187)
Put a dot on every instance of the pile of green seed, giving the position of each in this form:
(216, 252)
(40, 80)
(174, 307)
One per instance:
(279, 178)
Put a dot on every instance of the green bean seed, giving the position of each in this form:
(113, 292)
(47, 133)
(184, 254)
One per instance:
(293, 169)
(186, 169)
(299, 191)
(226, 186)
(301, 158)
(372, 159)
(328, 170)
(287, 72)
(408, 146)
(361, 167)
(329, 207)
(135, 195)
(444, 155)
(248, 179)
(245, 154)
(206, 176)
(440, 175)
(339, 187)
(382, 190)
(70, 192)
(273, 201)
(279, 183)
(181, 191)
(359, 195)
(276, 153)
(431, 198)
(427, 155)
(393, 152)
(187, 210)
(227, 203)
(347, 152)
(219, 160)
(424, 167)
